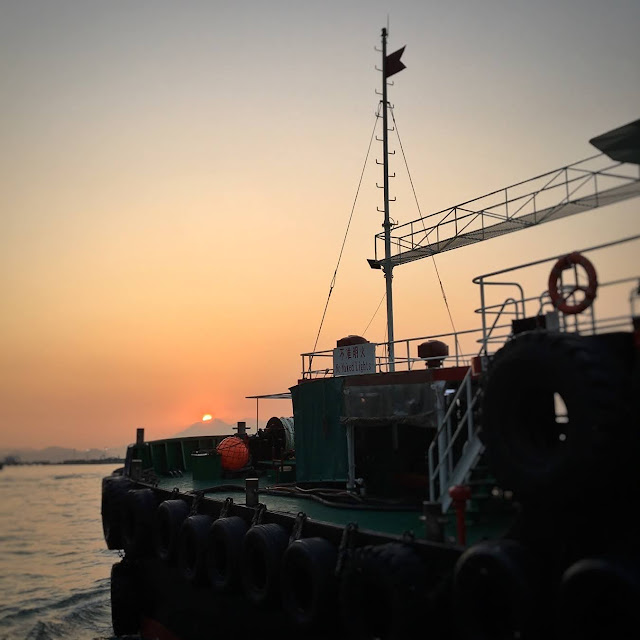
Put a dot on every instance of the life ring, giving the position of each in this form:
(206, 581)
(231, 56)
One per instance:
(382, 592)
(224, 553)
(137, 522)
(533, 448)
(125, 599)
(495, 589)
(114, 492)
(598, 597)
(262, 551)
(559, 300)
(168, 519)
(308, 581)
(192, 548)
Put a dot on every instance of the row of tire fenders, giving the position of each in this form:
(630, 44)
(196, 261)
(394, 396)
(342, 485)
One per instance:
(260, 560)
(380, 590)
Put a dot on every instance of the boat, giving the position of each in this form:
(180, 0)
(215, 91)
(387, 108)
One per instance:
(475, 484)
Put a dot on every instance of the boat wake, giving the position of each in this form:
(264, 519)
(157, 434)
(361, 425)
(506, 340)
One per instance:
(83, 616)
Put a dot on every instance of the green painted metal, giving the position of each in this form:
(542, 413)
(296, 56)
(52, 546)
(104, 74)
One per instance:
(206, 466)
(321, 442)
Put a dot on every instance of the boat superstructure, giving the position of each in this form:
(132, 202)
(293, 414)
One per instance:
(461, 482)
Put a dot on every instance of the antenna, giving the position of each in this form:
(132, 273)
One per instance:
(387, 267)
(387, 24)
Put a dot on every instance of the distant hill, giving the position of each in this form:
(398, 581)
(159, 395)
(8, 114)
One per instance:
(60, 454)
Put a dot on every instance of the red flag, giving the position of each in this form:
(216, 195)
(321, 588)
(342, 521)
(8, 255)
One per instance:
(392, 63)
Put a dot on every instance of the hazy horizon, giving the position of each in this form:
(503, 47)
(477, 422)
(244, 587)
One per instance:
(203, 427)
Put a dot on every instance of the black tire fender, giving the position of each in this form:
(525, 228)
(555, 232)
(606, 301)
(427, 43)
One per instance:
(125, 599)
(309, 582)
(192, 548)
(224, 553)
(496, 586)
(137, 522)
(114, 492)
(382, 592)
(262, 551)
(533, 451)
(599, 598)
(168, 519)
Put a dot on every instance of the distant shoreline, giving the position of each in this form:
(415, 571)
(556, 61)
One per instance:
(65, 462)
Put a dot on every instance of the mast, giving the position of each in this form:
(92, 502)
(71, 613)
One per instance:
(388, 267)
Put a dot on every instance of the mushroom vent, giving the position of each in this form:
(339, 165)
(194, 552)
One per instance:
(435, 350)
(350, 340)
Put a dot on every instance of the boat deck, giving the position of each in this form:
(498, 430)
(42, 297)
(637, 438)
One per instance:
(392, 520)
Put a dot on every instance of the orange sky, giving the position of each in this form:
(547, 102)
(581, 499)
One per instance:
(177, 179)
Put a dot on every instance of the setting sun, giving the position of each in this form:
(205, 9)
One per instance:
(206, 417)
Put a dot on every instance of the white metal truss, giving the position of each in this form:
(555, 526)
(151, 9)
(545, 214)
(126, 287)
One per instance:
(587, 184)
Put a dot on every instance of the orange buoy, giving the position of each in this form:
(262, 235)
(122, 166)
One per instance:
(233, 453)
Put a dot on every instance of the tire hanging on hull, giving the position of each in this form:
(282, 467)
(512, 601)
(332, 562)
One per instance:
(137, 523)
(495, 585)
(551, 414)
(308, 582)
(192, 549)
(168, 519)
(599, 598)
(382, 592)
(114, 493)
(224, 553)
(262, 551)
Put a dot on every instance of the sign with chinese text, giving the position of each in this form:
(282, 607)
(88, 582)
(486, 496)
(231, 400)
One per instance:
(355, 359)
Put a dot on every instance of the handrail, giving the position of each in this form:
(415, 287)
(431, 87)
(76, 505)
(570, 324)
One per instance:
(444, 440)
(443, 435)
(460, 357)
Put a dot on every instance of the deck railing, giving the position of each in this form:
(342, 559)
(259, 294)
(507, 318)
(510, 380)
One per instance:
(319, 364)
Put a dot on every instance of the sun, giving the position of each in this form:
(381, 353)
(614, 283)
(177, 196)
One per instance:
(206, 417)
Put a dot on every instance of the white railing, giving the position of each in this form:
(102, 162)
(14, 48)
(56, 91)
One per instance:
(608, 311)
(319, 364)
(456, 446)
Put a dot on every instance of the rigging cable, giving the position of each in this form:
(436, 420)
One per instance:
(444, 296)
(375, 313)
(335, 273)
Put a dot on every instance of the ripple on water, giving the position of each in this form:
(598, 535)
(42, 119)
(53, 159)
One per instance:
(54, 565)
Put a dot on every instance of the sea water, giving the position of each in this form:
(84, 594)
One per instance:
(54, 564)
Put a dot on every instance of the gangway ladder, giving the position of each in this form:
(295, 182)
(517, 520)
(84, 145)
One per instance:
(447, 471)
(444, 469)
